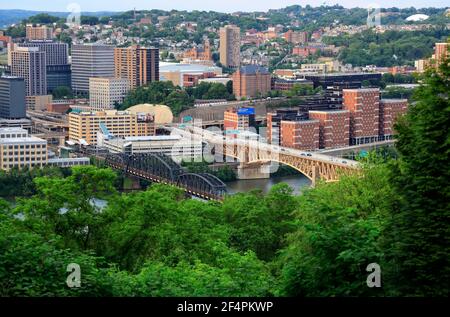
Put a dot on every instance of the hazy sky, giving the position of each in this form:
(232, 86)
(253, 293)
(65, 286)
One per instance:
(216, 5)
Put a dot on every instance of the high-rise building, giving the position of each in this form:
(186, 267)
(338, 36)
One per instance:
(38, 32)
(58, 67)
(390, 110)
(440, 52)
(18, 149)
(30, 64)
(85, 125)
(137, 64)
(334, 127)
(90, 60)
(12, 98)
(301, 135)
(105, 93)
(230, 46)
(251, 81)
(364, 107)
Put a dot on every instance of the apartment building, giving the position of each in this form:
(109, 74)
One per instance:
(251, 81)
(86, 125)
(230, 46)
(137, 64)
(440, 52)
(301, 135)
(334, 128)
(364, 107)
(105, 93)
(38, 32)
(19, 150)
(390, 110)
(296, 37)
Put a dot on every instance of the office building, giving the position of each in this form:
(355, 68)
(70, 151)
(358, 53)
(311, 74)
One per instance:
(106, 93)
(12, 98)
(137, 64)
(334, 128)
(18, 149)
(57, 60)
(301, 135)
(251, 81)
(230, 46)
(364, 107)
(90, 60)
(38, 32)
(30, 64)
(390, 110)
(86, 125)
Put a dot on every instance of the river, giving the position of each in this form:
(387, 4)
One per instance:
(297, 182)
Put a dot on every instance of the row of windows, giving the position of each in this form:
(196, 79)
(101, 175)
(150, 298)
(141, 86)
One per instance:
(27, 146)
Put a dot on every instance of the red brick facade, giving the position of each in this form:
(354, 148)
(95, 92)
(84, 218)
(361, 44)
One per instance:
(334, 128)
(390, 110)
(364, 107)
(302, 135)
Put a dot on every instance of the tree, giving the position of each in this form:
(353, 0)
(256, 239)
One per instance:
(62, 92)
(337, 232)
(418, 235)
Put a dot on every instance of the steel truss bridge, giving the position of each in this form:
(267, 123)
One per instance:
(160, 168)
(313, 165)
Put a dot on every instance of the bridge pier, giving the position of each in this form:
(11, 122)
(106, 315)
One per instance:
(315, 176)
(253, 171)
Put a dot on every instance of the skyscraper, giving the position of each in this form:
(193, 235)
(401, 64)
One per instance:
(137, 64)
(230, 46)
(30, 64)
(12, 98)
(90, 60)
(57, 59)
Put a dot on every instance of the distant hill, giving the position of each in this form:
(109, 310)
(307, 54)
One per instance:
(8, 17)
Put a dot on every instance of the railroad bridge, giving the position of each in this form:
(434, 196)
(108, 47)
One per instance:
(160, 168)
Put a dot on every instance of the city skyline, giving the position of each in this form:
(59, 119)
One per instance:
(229, 6)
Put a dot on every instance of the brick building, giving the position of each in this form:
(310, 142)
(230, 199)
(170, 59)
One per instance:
(390, 110)
(334, 128)
(191, 80)
(302, 135)
(364, 107)
(251, 81)
(304, 51)
(239, 119)
(296, 37)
